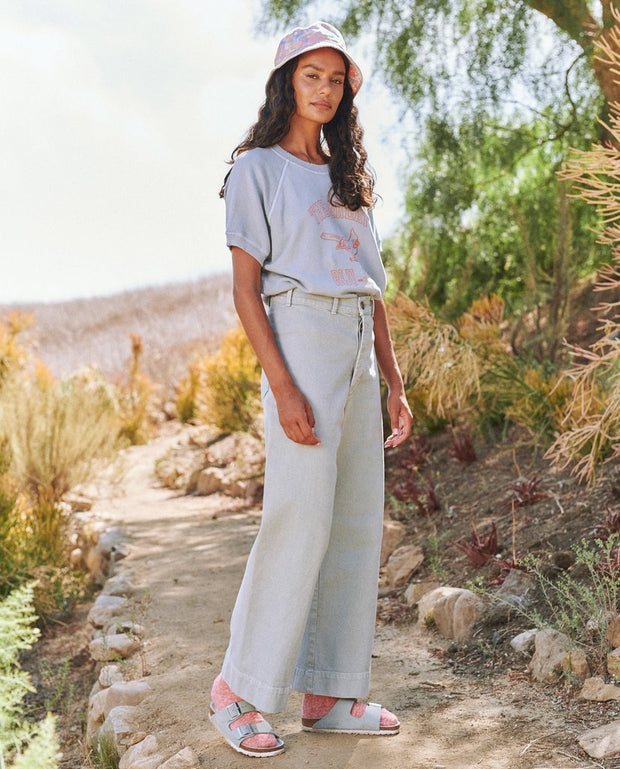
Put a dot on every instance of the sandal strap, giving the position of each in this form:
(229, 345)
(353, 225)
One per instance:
(224, 718)
(339, 717)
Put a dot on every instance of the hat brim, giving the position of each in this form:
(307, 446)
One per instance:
(355, 77)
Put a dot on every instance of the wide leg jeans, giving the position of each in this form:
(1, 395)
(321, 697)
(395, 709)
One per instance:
(305, 613)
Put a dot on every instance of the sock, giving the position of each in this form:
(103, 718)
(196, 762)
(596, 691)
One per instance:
(317, 706)
(221, 696)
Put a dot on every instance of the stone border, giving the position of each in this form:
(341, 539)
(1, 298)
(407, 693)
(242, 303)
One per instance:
(114, 703)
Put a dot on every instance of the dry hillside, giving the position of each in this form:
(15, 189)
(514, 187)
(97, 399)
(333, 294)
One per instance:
(173, 321)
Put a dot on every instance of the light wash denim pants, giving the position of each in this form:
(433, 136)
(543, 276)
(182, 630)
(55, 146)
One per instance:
(305, 613)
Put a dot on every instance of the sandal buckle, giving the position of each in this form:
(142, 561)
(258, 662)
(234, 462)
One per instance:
(234, 711)
(245, 731)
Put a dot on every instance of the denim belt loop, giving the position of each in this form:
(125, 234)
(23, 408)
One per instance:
(335, 303)
(289, 297)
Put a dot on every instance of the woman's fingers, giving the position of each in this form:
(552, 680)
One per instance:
(402, 421)
(297, 418)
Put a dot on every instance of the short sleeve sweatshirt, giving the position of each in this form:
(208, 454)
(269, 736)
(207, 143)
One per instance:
(278, 210)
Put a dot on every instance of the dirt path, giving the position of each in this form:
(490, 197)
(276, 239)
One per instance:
(187, 556)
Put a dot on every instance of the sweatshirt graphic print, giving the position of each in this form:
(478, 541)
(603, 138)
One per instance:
(278, 210)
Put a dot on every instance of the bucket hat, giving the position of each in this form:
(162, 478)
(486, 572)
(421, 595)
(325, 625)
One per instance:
(319, 35)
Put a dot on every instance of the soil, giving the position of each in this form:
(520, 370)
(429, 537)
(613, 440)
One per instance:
(460, 705)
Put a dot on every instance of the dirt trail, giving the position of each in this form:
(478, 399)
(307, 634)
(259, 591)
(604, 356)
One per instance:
(187, 556)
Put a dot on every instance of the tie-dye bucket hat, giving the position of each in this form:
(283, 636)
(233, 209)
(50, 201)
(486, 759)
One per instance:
(319, 35)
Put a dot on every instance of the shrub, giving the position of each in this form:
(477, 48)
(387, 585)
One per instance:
(187, 393)
(581, 603)
(28, 746)
(13, 354)
(135, 399)
(467, 369)
(56, 432)
(229, 392)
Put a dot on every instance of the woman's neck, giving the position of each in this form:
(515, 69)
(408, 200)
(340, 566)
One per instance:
(304, 143)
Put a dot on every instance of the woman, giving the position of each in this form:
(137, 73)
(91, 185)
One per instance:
(299, 224)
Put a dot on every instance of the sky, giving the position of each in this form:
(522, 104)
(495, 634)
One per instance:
(117, 119)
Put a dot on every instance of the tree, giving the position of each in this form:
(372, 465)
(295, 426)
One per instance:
(502, 89)
(423, 43)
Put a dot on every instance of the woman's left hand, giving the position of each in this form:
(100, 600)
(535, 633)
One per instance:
(401, 418)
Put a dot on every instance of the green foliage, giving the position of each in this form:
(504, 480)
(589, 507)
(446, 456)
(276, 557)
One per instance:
(22, 744)
(486, 214)
(582, 606)
(467, 369)
(105, 753)
(498, 92)
(42, 751)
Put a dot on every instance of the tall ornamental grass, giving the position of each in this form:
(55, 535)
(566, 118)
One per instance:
(590, 427)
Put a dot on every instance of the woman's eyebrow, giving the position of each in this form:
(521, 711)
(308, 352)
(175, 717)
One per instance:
(322, 69)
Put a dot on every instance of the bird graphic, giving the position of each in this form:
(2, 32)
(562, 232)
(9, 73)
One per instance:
(350, 244)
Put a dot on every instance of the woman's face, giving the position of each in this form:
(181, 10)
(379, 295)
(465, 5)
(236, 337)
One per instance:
(318, 84)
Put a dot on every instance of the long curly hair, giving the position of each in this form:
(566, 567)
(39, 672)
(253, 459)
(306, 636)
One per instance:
(341, 142)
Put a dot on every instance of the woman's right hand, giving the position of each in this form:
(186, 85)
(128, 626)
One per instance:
(295, 415)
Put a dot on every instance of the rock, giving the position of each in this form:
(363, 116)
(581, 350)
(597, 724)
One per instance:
(453, 610)
(104, 608)
(524, 642)
(126, 626)
(246, 488)
(210, 480)
(402, 563)
(551, 649)
(76, 557)
(393, 534)
(117, 725)
(613, 663)
(111, 647)
(184, 759)
(576, 664)
(596, 690)
(416, 590)
(603, 742)
(118, 586)
(516, 587)
(118, 694)
(110, 674)
(142, 755)
(613, 633)
(110, 541)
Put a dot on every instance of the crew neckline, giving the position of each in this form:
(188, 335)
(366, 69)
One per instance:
(317, 168)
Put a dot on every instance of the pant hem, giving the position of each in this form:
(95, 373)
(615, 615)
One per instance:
(267, 698)
(331, 683)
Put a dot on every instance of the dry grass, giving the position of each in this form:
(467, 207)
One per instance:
(175, 322)
(590, 431)
(56, 432)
